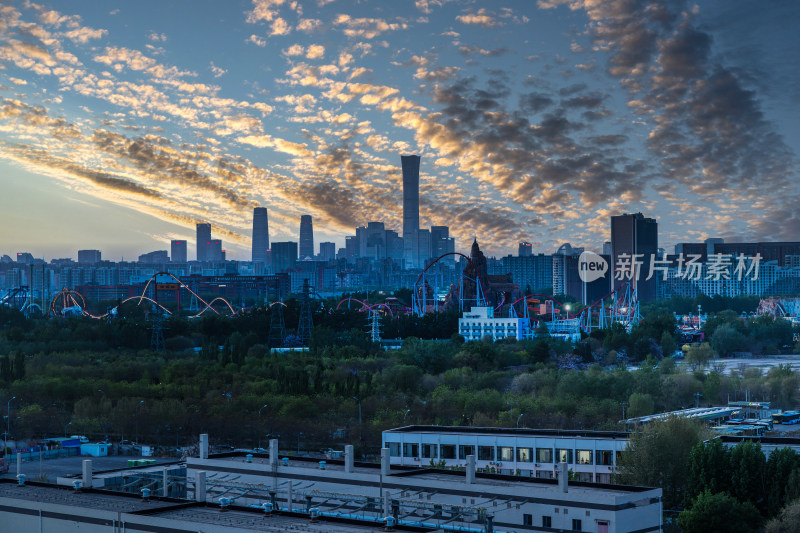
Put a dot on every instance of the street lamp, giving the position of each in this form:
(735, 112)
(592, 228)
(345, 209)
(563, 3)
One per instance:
(259, 415)
(65, 429)
(404, 416)
(137, 420)
(360, 437)
(8, 424)
(519, 418)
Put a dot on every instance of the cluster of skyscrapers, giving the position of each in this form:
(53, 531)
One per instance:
(379, 257)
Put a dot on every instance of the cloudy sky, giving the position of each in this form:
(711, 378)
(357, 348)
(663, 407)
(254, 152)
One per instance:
(123, 123)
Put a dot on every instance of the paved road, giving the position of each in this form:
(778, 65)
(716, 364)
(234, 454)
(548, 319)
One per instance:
(66, 466)
(763, 363)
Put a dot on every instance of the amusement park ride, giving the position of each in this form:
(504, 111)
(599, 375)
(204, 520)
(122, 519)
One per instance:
(68, 302)
(620, 306)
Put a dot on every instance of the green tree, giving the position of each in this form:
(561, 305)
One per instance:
(748, 466)
(719, 513)
(726, 340)
(788, 521)
(699, 355)
(780, 465)
(709, 468)
(658, 456)
(668, 344)
(640, 405)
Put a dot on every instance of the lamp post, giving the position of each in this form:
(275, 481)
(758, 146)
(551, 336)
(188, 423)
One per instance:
(65, 429)
(360, 436)
(405, 415)
(519, 418)
(137, 420)
(8, 424)
(259, 416)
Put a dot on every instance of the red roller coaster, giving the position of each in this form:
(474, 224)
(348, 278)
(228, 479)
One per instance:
(365, 307)
(419, 298)
(69, 302)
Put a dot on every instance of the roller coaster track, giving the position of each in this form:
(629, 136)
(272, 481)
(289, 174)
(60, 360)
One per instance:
(68, 298)
(421, 310)
(364, 305)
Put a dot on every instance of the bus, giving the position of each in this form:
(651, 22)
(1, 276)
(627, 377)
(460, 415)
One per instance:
(786, 417)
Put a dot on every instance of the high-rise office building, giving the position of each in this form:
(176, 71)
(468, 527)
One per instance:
(260, 242)
(178, 251)
(284, 256)
(352, 248)
(306, 237)
(89, 256)
(215, 251)
(634, 240)
(203, 239)
(423, 245)
(410, 164)
(327, 251)
(442, 243)
(372, 240)
(525, 249)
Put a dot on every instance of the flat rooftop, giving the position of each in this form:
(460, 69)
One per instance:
(240, 466)
(256, 520)
(184, 511)
(700, 413)
(513, 432)
(86, 498)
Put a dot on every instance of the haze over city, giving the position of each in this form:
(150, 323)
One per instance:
(122, 127)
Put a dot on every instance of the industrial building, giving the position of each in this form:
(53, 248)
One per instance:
(591, 455)
(30, 507)
(440, 498)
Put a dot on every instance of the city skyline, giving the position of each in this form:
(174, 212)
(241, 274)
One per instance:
(115, 134)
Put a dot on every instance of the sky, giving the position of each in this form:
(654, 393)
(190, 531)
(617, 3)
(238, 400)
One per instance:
(122, 124)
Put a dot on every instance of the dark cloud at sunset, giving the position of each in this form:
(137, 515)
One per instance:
(535, 120)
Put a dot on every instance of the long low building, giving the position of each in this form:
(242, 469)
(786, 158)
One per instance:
(442, 498)
(591, 455)
(50, 508)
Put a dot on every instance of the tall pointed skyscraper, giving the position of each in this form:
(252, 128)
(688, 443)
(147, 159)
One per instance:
(260, 235)
(410, 210)
(306, 237)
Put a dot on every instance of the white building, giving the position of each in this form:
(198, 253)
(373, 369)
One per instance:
(440, 499)
(592, 455)
(480, 321)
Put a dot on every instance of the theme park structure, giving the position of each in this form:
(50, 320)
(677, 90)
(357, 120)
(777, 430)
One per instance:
(68, 302)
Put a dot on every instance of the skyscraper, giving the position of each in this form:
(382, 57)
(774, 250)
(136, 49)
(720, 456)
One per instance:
(410, 164)
(284, 256)
(525, 249)
(327, 251)
(306, 237)
(214, 251)
(178, 251)
(260, 241)
(203, 239)
(634, 238)
(442, 243)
